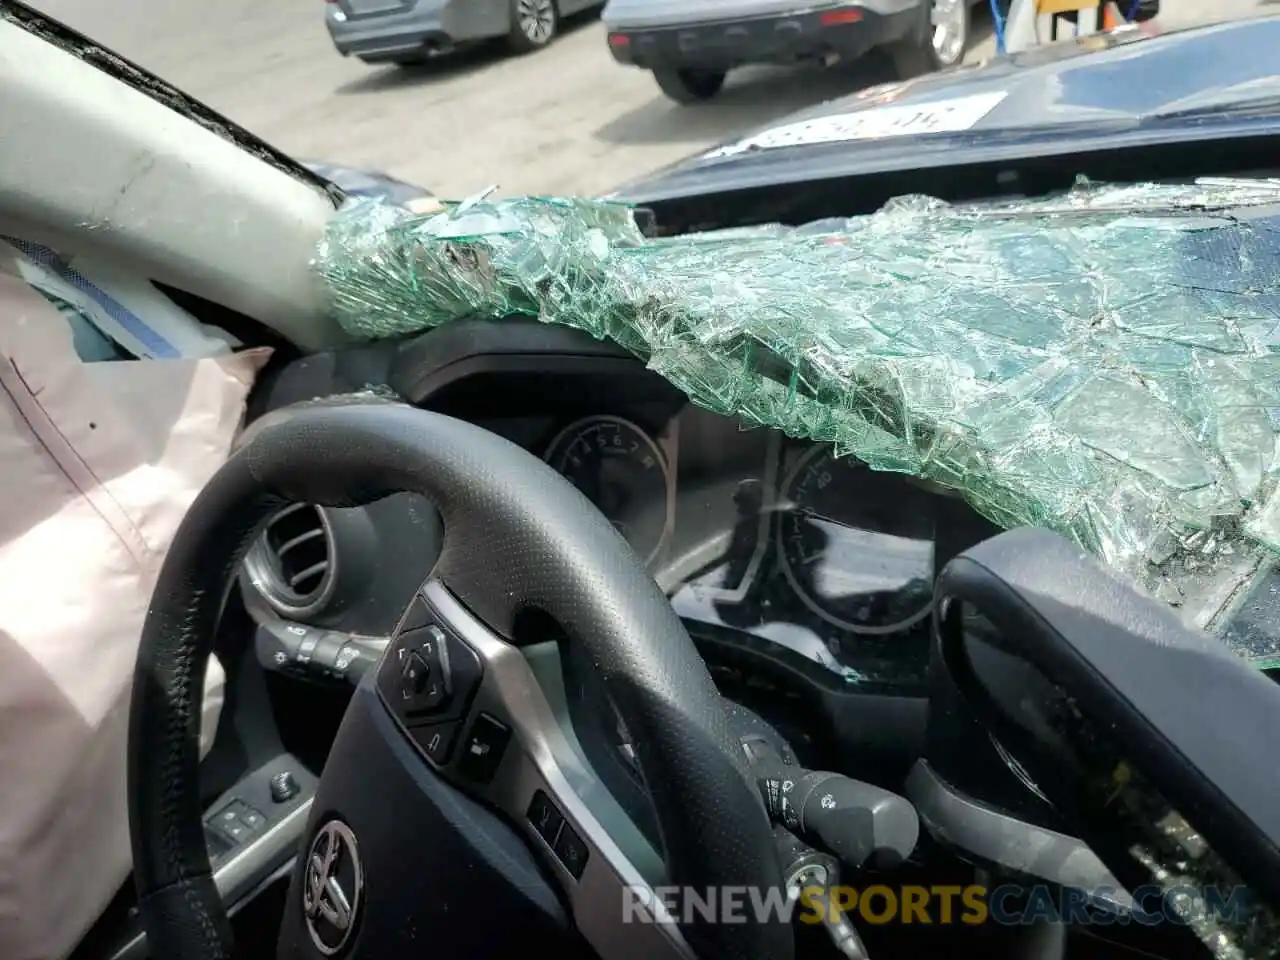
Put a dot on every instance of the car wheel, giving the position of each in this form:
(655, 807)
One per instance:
(689, 86)
(941, 43)
(534, 24)
(949, 36)
(1146, 10)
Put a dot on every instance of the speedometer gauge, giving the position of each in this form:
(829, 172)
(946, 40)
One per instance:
(856, 545)
(620, 469)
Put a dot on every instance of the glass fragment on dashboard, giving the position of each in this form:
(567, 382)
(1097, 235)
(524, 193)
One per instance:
(1190, 882)
(1102, 363)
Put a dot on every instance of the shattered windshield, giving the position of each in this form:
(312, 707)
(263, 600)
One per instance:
(1105, 364)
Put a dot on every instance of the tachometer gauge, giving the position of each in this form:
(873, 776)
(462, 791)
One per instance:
(856, 545)
(620, 469)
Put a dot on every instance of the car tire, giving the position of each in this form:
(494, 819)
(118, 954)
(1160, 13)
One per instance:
(1147, 10)
(534, 24)
(934, 46)
(689, 86)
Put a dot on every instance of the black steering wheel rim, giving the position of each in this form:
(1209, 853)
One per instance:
(516, 535)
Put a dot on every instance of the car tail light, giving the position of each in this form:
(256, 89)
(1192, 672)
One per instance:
(619, 40)
(837, 18)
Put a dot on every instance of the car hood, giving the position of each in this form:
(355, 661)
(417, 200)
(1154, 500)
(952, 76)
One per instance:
(1123, 89)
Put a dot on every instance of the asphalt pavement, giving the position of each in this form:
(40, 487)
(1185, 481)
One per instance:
(563, 120)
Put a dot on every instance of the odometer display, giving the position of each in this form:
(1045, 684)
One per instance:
(621, 470)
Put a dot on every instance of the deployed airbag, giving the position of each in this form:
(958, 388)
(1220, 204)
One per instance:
(100, 461)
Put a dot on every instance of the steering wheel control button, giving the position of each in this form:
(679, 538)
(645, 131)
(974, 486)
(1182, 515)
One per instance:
(427, 642)
(482, 751)
(560, 837)
(430, 641)
(284, 787)
(443, 691)
(424, 661)
(415, 672)
(571, 851)
(436, 740)
(546, 819)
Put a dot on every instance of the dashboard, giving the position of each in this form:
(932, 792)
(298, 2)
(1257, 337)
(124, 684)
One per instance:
(804, 578)
(761, 541)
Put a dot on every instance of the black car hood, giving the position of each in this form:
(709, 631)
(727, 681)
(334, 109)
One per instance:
(1123, 88)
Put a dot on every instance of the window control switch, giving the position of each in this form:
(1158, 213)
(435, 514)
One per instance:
(237, 821)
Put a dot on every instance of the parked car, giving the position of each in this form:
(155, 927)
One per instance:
(1127, 88)
(464, 714)
(691, 45)
(408, 32)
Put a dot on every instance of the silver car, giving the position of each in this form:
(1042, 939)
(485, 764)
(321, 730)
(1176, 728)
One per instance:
(411, 31)
(691, 45)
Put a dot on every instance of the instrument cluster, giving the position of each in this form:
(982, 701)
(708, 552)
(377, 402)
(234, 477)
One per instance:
(753, 531)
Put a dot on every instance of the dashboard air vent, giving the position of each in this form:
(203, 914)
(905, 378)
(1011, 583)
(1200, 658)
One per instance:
(292, 562)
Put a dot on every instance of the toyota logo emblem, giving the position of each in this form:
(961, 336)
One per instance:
(333, 885)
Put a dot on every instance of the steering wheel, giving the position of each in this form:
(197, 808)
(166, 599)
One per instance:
(518, 536)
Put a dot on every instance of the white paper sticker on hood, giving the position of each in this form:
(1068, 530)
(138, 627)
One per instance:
(876, 123)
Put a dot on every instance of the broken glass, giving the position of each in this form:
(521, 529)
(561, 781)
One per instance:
(1105, 363)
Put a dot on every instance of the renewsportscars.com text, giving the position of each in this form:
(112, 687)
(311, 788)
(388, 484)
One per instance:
(1010, 905)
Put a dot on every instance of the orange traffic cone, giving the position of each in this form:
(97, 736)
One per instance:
(1110, 17)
